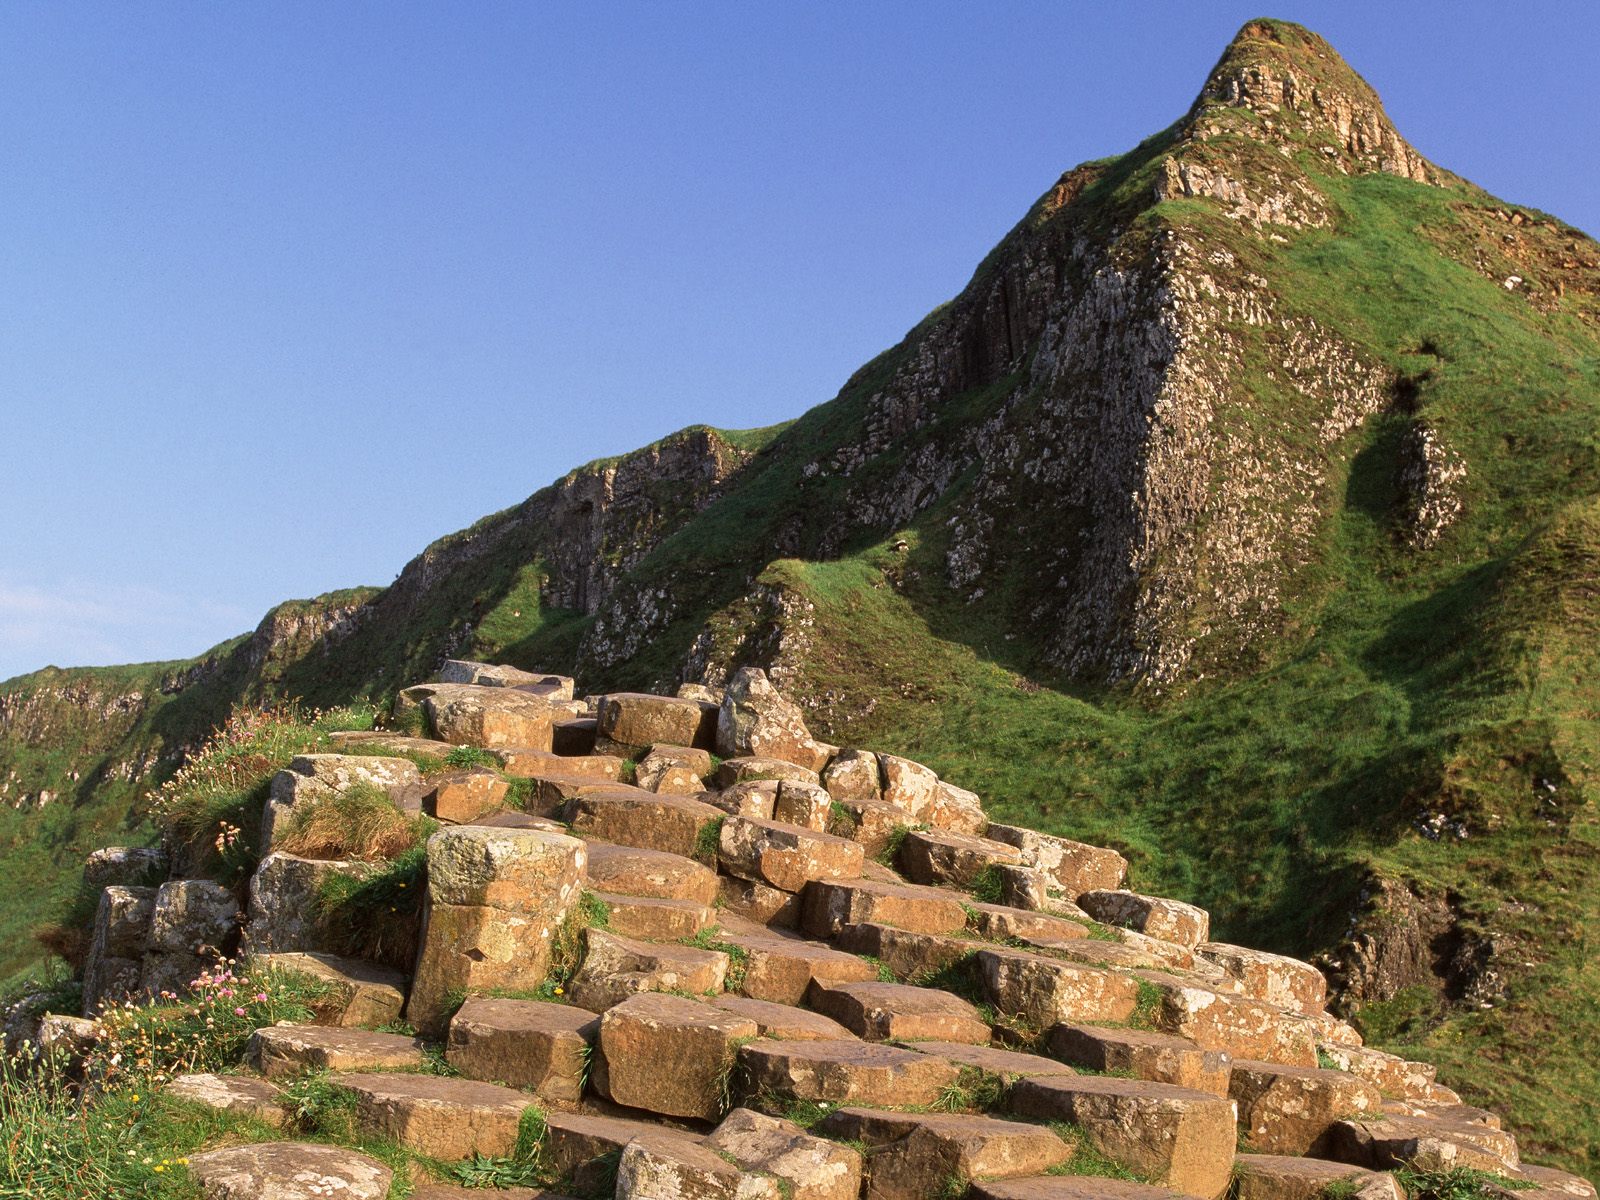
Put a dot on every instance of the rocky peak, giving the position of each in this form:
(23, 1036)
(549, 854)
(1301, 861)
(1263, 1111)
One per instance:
(1279, 80)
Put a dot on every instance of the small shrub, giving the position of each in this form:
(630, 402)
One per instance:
(1457, 1183)
(377, 916)
(989, 886)
(891, 848)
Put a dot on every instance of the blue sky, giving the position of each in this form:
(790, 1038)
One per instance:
(292, 289)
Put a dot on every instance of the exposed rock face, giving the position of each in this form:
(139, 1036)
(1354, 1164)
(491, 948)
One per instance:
(1431, 474)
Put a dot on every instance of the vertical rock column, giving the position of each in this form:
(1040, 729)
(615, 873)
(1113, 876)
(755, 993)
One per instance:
(495, 900)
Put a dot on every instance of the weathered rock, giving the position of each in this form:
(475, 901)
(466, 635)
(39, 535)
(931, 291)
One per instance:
(313, 777)
(495, 900)
(1383, 1143)
(1158, 1057)
(933, 856)
(632, 722)
(1282, 1177)
(116, 952)
(1007, 1065)
(1243, 1027)
(759, 902)
(551, 792)
(543, 1048)
(633, 817)
(1067, 1187)
(677, 770)
(124, 866)
(853, 775)
(755, 719)
(899, 1012)
(281, 1050)
(615, 968)
(671, 1055)
(957, 810)
(524, 763)
(755, 798)
(832, 904)
(870, 822)
(803, 804)
(444, 1118)
(814, 1168)
(1389, 1073)
(1043, 991)
(630, 871)
(285, 913)
(782, 1020)
(655, 919)
(192, 916)
(289, 1171)
(464, 795)
(1289, 1110)
(786, 857)
(845, 1072)
(908, 955)
(757, 768)
(1179, 1138)
(1077, 867)
(782, 969)
(236, 1095)
(650, 1169)
(908, 786)
(574, 735)
(1001, 922)
(918, 1155)
(1275, 978)
(1170, 920)
(582, 1149)
(555, 687)
(1548, 1184)
(487, 717)
(359, 993)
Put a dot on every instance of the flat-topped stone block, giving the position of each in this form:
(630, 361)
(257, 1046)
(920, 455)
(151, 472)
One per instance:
(656, 920)
(616, 967)
(1143, 1054)
(464, 795)
(813, 1168)
(236, 1095)
(289, 1171)
(1383, 1143)
(281, 1050)
(803, 804)
(751, 768)
(444, 1118)
(631, 722)
(935, 856)
(782, 1020)
(632, 871)
(882, 1012)
(1068, 1187)
(830, 905)
(845, 1072)
(871, 822)
(669, 1054)
(786, 857)
(529, 1044)
(918, 1154)
(1176, 1137)
(908, 955)
(1076, 866)
(465, 714)
(1389, 1073)
(633, 817)
(782, 969)
(582, 1149)
(1153, 916)
(759, 902)
(1289, 1110)
(853, 775)
(532, 764)
(651, 1169)
(1275, 978)
(360, 994)
(1001, 922)
(1286, 1177)
(1243, 1027)
(312, 777)
(1006, 1065)
(1044, 991)
(908, 786)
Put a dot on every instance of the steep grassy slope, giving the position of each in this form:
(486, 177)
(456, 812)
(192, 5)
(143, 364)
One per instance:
(1243, 513)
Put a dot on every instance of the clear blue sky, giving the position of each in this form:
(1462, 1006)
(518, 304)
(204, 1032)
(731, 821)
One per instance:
(291, 289)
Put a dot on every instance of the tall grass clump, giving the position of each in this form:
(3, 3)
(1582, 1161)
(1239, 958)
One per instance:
(359, 823)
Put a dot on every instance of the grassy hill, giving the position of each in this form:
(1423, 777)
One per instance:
(1243, 513)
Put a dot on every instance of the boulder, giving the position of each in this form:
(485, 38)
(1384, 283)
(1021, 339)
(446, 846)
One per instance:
(487, 717)
(1006, 1065)
(654, 919)
(782, 1021)
(1389, 1073)
(757, 798)
(495, 900)
(289, 1171)
(555, 687)
(1143, 1054)
(755, 719)
(1275, 978)
(758, 902)
(1383, 1143)
(1075, 866)
(870, 822)
(1002, 923)
(934, 856)
(581, 1149)
(616, 967)
(543, 1048)
(853, 775)
(782, 969)
(285, 913)
(1043, 991)
(312, 777)
(670, 1055)
(1243, 1027)
(521, 762)
(907, 955)
(678, 770)
(803, 804)
(1289, 1110)
(630, 723)
(786, 857)
(283, 1050)
(124, 866)
(908, 786)
(957, 810)
(652, 1169)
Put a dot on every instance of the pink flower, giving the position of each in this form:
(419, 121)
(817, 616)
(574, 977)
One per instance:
(261, 997)
(238, 1012)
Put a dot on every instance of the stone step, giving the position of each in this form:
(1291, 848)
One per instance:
(396, 744)
(656, 920)
(673, 770)
(282, 1050)
(444, 1118)
(553, 791)
(616, 967)
(465, 714)
(1548, 1184)
(524, 1044)
(853, 776)
(830, 905)
(1142, 1054)
(581, 1150)
(236, 1095)
(754, 768)
(803, 804)
(782, 1021)
(574, 737)
(1173, 1136)
(670, 1055)
(1389, 1073)
(883, 1012)
(1002, 922)
(756, 799)
(813, 1168)
(361, 994)
(630, 723)
(1289, 1177)
(463, 795)
(786, 857)
(289, 1171)
(909, 955)
(782, 969)
(1275, 978)
(1428, 1144)
(523, 762)
(634, 817)
(1243, 1027)
(915, 1156)
(631, 871)
(312, 777)
(651, 1169)
(1289, 1110)
(871, 823)
(1044, 991)
(1006, 1065)
(934, 856)
(759, 903)
(1075, 866)
(844, 1072)
(1153, 916)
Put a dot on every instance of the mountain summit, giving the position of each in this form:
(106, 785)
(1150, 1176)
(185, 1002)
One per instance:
(1242, 513)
